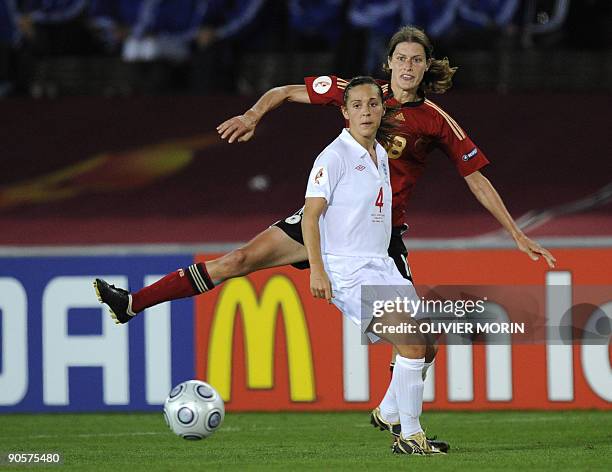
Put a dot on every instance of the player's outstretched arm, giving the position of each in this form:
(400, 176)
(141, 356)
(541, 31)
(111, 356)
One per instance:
(320, 286)
(486, 194)
(242, 127)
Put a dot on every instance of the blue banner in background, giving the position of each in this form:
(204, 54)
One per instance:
(60, 351)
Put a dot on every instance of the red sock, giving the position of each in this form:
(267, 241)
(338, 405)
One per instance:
(182, 283)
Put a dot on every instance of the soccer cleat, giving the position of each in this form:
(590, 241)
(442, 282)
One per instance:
(416, 444)
(377, 421)
(118, 300)
(395, 429)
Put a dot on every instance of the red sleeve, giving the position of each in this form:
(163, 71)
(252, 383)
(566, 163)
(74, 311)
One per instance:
(325, 90)
(458, 146)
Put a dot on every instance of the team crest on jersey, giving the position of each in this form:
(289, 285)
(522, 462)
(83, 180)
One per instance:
(322, 84)
(320, 177)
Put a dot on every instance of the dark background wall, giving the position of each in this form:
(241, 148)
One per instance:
(152, 169)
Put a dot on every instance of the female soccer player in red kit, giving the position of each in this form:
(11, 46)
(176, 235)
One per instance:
(421, 126)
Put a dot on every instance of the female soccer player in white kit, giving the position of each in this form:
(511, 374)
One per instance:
(347, 228)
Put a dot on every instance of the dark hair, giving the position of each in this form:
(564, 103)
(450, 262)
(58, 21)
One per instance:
(384, 135)
(438, 78)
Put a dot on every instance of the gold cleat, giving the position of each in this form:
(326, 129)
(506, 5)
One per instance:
(377, 421)
(433, 444)
(417, 444)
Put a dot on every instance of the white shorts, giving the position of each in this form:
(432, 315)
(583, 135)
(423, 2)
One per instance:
(347, 276)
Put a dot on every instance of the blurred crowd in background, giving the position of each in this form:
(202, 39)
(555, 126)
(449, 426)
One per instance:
(50, 48)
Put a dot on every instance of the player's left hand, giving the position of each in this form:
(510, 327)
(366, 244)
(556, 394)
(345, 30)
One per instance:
(534, 250)
(238, 128)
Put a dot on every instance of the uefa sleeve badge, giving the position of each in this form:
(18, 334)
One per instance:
(322, 84)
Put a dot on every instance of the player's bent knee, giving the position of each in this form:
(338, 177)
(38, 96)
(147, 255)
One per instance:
(236, 263)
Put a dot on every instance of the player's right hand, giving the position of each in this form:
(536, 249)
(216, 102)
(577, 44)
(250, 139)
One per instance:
(320, 286)
(238, 128)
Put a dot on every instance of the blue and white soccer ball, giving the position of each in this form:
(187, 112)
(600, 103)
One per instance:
(194, 410)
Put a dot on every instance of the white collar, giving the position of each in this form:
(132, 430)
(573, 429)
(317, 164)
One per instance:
(356, 149)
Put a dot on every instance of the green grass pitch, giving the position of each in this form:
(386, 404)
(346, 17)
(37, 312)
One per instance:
(570, 440)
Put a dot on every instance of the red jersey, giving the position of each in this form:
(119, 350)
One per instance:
(422, 126)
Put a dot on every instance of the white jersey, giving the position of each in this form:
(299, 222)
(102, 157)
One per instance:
(357, 221)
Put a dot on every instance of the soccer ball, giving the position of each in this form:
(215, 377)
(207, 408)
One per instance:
(194, 410)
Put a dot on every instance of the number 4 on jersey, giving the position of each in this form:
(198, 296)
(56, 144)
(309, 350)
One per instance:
(379, 200)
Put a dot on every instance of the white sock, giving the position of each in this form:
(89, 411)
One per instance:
(388, 405)
(426, 366)
(408, 385)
